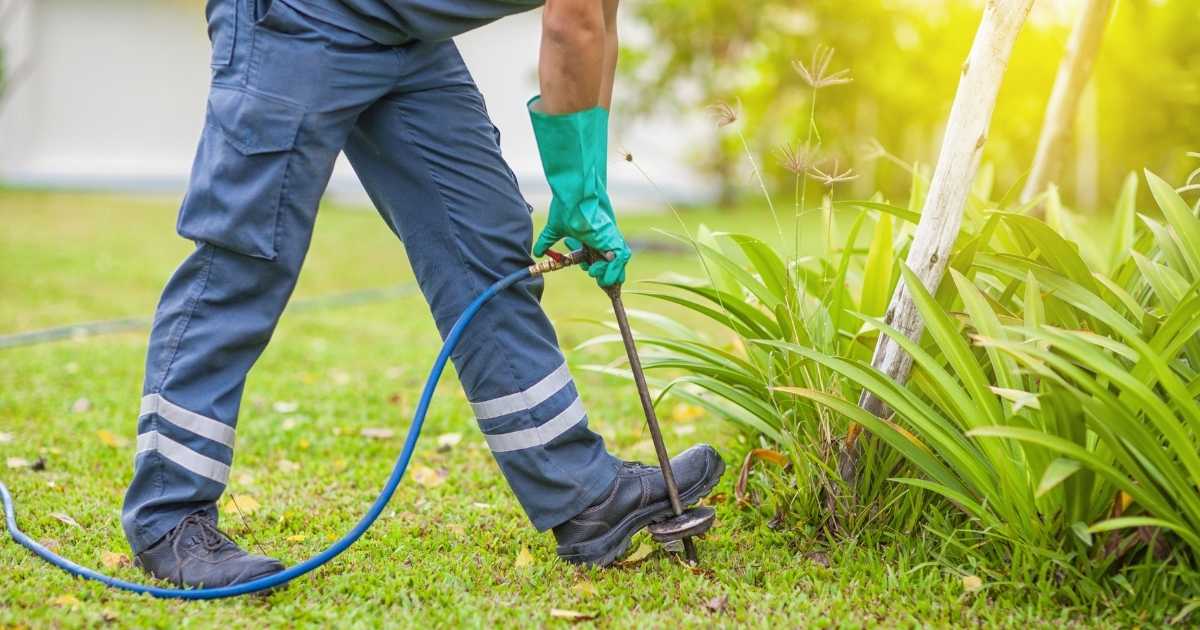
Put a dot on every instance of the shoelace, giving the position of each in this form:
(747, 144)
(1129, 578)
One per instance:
(210, 537)
(639, 466)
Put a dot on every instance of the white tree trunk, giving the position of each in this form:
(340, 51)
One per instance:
(958, 161)
(1073, 74)
(1086, 143)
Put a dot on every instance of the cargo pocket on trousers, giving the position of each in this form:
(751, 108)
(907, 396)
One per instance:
(240, 175)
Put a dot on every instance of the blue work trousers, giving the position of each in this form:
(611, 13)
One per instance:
(289, 93)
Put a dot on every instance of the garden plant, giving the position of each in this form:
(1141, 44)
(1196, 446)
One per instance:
(1050, 427)
(1048, 430)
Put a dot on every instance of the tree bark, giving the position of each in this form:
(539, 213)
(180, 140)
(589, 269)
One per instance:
(1073, 73)
(941, 217)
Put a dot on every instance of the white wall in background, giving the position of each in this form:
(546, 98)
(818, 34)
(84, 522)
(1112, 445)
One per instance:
(115, 100)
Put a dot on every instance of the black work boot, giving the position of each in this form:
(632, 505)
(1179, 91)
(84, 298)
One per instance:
(197, 554)
(601, 533)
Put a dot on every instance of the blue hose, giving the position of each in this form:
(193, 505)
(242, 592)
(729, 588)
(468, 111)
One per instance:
(283, 577)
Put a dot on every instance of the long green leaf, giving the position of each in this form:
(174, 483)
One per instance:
(1126, 522)
(985, 321)
(1168, 285)
(904, 214)
(1124, 223)
(740, 275)
(722, 318)
(1074, 451)
(1114, 421)
(734, 305)
(840, 299)
(942, 434)
(1167, 249)
(1034, 307)
(1180, 216)
(915, 452)
(770, 268)
(969, 505)
(1063, 288)
(878, 270)
(1057, 472)
(946, 335)
(1059, 253)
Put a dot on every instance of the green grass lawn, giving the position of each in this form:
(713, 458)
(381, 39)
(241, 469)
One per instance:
(456, 552)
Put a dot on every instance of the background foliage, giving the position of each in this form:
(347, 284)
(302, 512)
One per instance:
(904, 56)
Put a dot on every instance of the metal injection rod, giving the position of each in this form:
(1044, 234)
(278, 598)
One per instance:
(660, 448)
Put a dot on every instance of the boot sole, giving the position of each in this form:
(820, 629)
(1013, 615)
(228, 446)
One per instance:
(605, 550)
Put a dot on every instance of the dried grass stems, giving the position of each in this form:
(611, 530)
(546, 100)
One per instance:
(816, 73)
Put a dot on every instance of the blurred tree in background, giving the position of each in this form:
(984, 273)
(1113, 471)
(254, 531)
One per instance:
(905, 57)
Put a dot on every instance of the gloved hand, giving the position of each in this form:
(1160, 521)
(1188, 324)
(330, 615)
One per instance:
(574, 152)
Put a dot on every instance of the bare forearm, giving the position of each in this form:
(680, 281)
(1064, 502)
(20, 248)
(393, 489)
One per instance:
(572, 64)
(610, 53)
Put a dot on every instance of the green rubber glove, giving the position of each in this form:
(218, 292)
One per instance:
(574, 152)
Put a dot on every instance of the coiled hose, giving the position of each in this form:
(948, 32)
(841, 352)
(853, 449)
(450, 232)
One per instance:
(410, 442)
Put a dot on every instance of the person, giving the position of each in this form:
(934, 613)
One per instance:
(295, 82)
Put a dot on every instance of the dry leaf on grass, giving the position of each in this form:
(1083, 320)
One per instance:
(447, 441)
(571, 615)
(641, 553)
(287, 466)
(818, 558)
(339, 377)
(297, 538)
(585, 588)
(524, 558)
(65, 601)
(243, 503)
(766, 454)
(717, 604)
(66, 518)
(971, 583)
(699, 570)
(376, 433)
(456, 529)
(429, 477)
(17, 462)
(111, 439)
(112, 559)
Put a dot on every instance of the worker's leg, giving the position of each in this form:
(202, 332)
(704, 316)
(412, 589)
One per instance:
(430, 158)
(286, 93)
